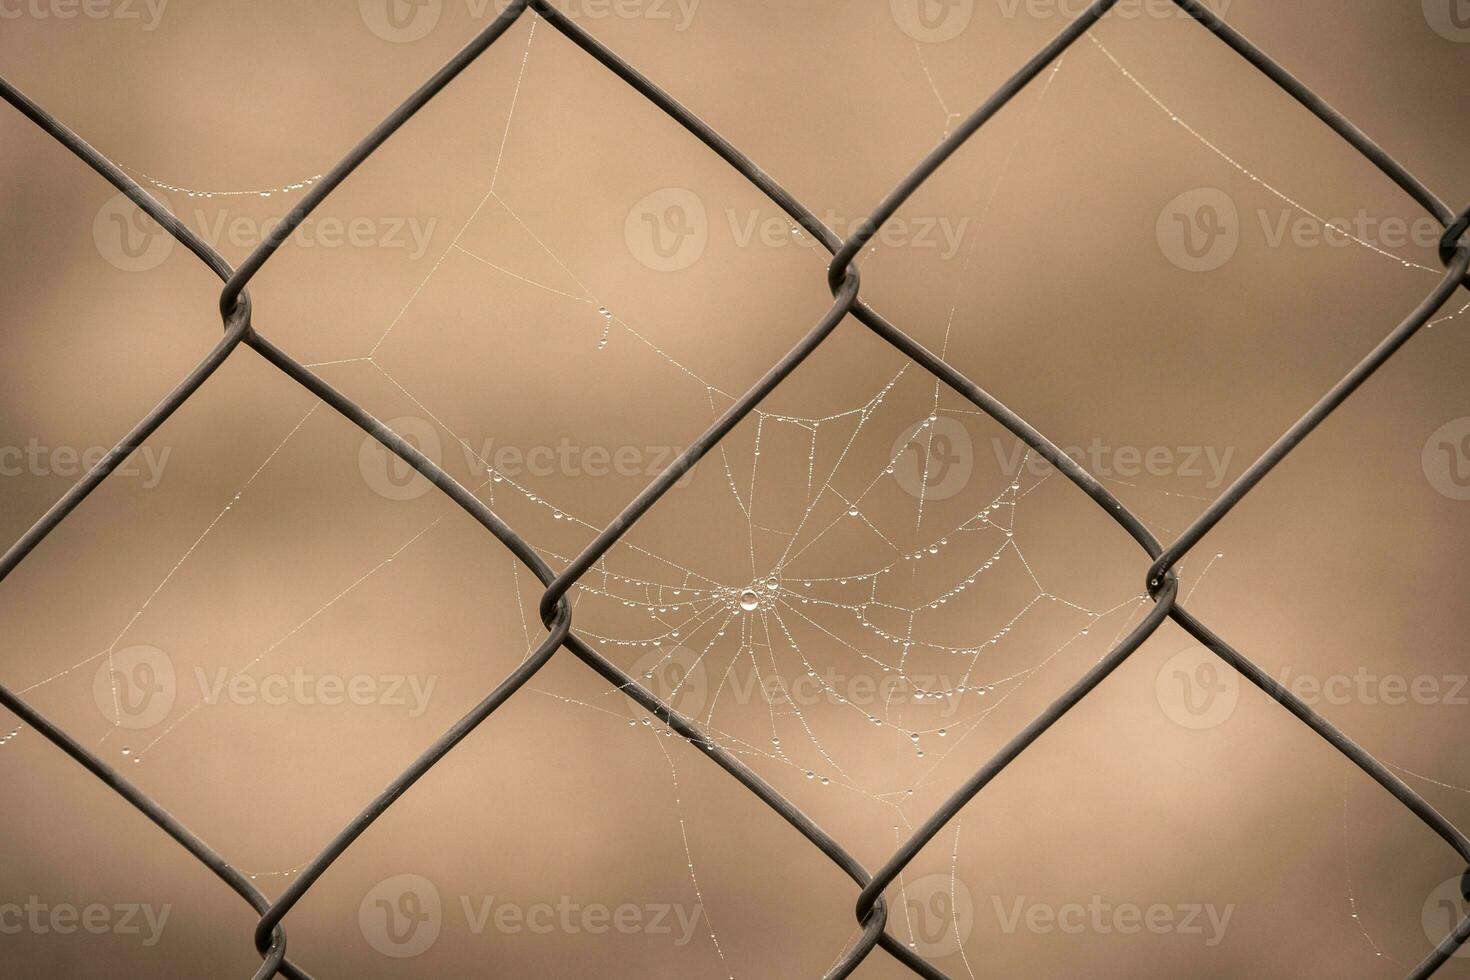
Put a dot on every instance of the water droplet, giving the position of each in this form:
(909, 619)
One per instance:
(127, 751)
(749, 601)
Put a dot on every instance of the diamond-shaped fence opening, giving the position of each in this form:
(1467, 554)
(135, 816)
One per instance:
(843, 280)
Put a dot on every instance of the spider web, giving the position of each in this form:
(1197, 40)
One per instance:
(867, 595)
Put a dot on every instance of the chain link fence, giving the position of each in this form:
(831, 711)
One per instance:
(843, 280)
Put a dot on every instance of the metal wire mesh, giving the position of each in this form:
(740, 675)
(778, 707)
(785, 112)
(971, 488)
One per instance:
(843, 279)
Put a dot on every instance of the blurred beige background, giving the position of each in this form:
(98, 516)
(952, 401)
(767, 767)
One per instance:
(542, 277)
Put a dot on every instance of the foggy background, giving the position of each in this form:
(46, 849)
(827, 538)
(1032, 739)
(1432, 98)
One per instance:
(542, 266)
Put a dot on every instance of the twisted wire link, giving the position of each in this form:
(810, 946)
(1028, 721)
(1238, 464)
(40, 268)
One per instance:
(555, 609)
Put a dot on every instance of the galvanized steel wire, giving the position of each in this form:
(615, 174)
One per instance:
(1161, 581)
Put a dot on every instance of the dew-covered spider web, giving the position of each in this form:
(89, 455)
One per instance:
(873, 589)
